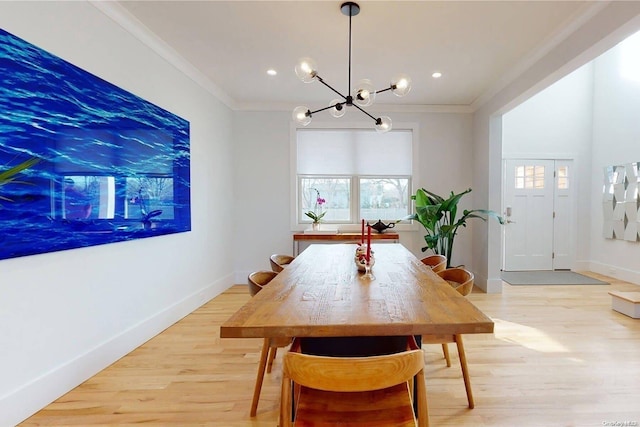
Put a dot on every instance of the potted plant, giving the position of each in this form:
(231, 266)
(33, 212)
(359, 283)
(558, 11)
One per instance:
(439, 218)
(316, 214)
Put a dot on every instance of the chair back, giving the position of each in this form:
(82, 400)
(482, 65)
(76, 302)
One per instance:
(345, 386)
(459, 278)
(436, 262)
(342, 374)
(278, 261)
(258, 279)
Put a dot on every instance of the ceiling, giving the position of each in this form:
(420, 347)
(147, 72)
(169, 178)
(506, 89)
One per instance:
(478, 46)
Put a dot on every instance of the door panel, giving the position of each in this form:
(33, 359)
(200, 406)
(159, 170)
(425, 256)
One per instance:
(528, 200)
(563, 222)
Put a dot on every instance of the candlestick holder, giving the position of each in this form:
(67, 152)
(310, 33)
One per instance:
(368, 275)
(361, 262)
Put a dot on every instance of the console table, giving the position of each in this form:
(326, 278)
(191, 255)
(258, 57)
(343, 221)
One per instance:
(340, 237)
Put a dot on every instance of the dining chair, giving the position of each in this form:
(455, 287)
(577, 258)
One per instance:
(459, 278)
(258, 280)
(436, 262)
(462, 281)
(371, 391)
(279, 262)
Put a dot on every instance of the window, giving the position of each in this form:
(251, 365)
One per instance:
(360, 173)
(336, 191)
(563, 178)
(530, 177)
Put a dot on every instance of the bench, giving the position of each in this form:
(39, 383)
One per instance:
(626, 303)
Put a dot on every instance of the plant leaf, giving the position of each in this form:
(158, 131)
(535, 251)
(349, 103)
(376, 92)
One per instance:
(7, 175)
(438, 217)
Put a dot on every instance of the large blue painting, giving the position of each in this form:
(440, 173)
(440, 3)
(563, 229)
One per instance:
(83, 162)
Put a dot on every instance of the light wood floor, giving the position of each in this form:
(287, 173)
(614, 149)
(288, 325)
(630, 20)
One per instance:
(559, 357)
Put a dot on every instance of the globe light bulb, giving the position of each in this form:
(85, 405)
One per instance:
(302, 115)
(401, 85)
(306, 70)
(338, 109)
(383, 124)
(365, 93)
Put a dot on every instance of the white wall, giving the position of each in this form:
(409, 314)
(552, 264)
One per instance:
(66, 315)
(556, 124)
(262, 174)
(616, 140)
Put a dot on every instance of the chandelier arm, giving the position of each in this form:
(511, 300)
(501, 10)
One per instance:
(329, 86)
(358, 107)
(326, 108)
(384, 90)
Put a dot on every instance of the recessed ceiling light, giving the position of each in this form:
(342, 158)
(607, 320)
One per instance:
(436, 75)
(272, 72)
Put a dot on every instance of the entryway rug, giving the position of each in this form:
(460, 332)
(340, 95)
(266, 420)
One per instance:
(548, 278)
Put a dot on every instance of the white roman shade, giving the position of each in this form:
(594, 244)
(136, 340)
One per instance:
(353, 152)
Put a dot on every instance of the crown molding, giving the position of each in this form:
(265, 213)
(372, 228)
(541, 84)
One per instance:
(571, 25)
(380, 108)
(131, 24)
(136, 28)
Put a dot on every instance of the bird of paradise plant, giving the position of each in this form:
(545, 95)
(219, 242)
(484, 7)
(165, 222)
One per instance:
(438, 216)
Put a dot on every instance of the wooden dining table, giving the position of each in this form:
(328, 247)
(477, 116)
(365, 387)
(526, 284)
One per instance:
(322, 294)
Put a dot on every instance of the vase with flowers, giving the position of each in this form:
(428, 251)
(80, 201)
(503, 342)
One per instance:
(317, 213)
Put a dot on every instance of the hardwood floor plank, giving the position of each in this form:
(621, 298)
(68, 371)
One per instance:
(560, 356)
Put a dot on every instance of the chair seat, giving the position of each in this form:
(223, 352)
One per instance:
(379, 408)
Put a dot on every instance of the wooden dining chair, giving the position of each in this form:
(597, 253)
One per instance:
(462, 281)
(258, 280)
(279, 262)
(371, 391)
(436, 262)
(459, 278)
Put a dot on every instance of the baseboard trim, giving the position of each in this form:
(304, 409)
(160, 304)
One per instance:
(25, 401)
(625, 274)
(494, 286)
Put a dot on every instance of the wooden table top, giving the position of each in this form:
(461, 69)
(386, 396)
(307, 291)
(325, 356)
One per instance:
(322, 294)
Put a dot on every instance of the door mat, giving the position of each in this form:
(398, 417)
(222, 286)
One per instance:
(549, 278)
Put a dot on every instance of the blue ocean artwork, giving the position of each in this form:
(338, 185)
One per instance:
(82, 161)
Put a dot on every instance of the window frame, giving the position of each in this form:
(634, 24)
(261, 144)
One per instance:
(354, 224)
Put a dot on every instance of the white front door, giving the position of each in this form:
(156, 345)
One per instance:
(528, 201)
(538, 207)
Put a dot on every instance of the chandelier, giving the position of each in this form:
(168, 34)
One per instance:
(364, 94)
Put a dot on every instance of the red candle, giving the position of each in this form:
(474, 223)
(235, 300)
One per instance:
(362, 233)
(368, 243)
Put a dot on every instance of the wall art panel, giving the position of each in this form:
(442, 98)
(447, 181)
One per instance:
(83, 162)
(621, 203)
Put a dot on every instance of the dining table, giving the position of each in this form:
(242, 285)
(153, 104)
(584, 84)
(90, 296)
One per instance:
(323, 294)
